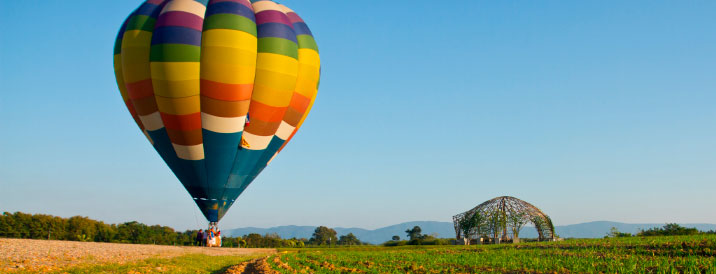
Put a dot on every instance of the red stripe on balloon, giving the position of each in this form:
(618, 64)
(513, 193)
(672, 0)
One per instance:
(265, 112)
(226, 92)
(141, 89)
(182, 122)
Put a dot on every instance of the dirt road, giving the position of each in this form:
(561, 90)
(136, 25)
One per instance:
(44, 255)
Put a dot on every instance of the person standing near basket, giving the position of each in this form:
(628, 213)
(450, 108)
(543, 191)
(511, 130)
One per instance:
(199, 240)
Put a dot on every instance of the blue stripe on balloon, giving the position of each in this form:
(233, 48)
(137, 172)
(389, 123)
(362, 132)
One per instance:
(247, 166)
(219, 154)
(301, 29)
(176, 35)
(276, 30)
(230, 8)
(148, 9)
(182, 169)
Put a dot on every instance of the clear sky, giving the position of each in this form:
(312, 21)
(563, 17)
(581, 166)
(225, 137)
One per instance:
(590, 110)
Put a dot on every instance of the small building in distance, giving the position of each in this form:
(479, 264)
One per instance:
(500, 220)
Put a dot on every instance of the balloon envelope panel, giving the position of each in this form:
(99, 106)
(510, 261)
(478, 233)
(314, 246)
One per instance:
(218, 87)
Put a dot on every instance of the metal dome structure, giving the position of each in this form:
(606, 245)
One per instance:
(501, 220)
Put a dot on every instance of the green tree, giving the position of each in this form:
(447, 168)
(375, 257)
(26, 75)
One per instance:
(396, 238)
(670, 229)
(349, 239)
(615, 233)
(81, 228)
(253, 240)
(323, 235)
(414, 233)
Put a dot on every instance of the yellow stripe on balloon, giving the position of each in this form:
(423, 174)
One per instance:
(178, 106)
(228, 56)
(309, 56)
(229, 38)
(134, 70)
(136, 38)
(277, 63)
(228, 74)
(135, 55)
(228, 65)
(175, 71)
(273, 89)
(120, 76)
(307, 81)
(175, 79)
(275, 80)
(176, 89)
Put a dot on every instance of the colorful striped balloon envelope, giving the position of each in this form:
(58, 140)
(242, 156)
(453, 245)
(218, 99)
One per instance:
(192, 73)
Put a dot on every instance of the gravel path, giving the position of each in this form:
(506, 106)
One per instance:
(44, 255)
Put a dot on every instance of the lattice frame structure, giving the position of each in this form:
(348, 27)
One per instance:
(502, 218)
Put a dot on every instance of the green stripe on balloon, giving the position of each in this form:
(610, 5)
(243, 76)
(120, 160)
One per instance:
(307, 42)
(175, 53)
(141, 22)
(118, 45)
(230, 21)
(278, 46)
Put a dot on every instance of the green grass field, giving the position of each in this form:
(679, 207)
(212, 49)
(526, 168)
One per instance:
(680, 254)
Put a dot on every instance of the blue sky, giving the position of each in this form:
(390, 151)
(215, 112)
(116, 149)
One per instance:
(591, 110)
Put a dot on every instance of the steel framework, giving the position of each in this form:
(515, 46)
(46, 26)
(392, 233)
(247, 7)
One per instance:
(501, 219)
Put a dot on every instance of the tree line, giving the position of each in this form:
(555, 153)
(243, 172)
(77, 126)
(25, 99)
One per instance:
(669, 229)
(78, 228)
(416, 237)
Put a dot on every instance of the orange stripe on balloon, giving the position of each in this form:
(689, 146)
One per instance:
(226, 92)
(299, 102)
(182, 122)
(265, 112)
(140, 89)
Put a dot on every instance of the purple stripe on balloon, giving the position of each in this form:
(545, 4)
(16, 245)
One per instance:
(293, 17)
(276, 30)
(180, 19)
(176, 35)
(272, 16)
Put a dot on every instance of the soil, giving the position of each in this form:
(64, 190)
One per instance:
(48, 255)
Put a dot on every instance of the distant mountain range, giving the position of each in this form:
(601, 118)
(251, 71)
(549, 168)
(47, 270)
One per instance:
(445, 230)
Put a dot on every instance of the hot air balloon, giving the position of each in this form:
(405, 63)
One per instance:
(192, 73)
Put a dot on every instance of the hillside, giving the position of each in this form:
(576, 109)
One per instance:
(595, 229)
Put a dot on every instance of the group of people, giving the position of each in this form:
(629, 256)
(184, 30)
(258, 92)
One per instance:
(211, 237)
